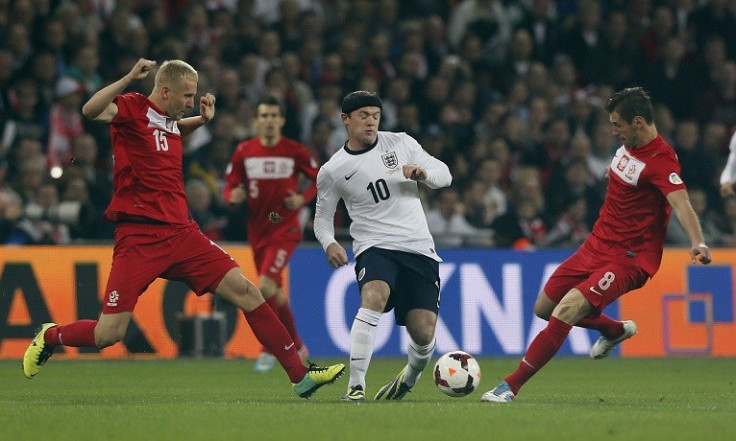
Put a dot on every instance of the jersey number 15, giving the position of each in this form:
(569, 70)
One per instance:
(162, 144)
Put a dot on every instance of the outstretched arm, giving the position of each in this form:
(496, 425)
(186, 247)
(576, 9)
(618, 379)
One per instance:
(100, 107)
(680, 202)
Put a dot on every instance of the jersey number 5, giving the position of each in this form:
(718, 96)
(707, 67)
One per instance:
(379, 190)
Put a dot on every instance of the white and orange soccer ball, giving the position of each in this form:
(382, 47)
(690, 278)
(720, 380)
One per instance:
(457, 374)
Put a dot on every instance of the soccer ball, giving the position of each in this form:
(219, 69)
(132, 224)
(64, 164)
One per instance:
(456, 374)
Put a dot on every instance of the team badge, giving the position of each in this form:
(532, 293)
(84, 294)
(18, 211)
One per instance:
(675, 179)
(622, 163)
(274, 217)
(390, 160)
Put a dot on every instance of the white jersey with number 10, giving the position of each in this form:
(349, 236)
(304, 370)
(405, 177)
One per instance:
(384, 206)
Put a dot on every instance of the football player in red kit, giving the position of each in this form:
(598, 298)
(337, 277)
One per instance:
(154, 234)
(625, 248)
(265, 173)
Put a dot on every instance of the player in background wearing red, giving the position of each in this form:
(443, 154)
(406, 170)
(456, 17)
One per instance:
(154, 234)
(265, 173)
(625, 248)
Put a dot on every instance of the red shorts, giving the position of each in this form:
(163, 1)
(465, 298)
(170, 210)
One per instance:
(600, 281)
(145, 252)
(273, 257)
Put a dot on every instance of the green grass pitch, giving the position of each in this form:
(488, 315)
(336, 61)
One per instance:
(214, 399)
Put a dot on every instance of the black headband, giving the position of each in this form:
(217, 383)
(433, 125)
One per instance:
(357, 101)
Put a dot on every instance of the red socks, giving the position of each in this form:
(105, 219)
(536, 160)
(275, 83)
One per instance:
(604, 324)
(283, 312)
(287, 318)
(273, 302)
(77, 334)
(262, 320)
(544, 346)
(274, 337)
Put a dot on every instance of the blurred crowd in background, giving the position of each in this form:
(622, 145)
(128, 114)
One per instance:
(509, 94)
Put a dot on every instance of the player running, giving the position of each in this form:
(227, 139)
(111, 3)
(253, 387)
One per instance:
(265, 173)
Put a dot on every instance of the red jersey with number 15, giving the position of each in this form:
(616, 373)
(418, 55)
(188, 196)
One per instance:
(268, 175)
(633, 220)
(147, 152)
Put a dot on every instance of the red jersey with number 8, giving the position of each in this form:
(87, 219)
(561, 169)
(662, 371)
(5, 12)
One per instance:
(147, 154)
(633, 220)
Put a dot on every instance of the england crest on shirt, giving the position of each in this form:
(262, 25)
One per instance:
(390, 160)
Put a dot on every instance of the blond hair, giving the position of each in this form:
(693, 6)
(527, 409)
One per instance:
(173, 71)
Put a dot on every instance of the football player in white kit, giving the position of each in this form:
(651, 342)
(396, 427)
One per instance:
(728, 175)
(377, 174)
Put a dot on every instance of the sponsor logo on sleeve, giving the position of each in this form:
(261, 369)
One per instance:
(113, 298)
(675, 179)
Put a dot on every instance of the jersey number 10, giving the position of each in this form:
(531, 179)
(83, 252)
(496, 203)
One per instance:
(379, 190)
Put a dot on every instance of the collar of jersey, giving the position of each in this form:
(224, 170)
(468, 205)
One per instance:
(352, 152)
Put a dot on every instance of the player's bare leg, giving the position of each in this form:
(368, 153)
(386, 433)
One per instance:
(612, 331)
(111, 328)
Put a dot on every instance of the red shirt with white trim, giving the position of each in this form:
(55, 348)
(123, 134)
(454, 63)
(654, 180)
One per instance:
(268, 174)
(147, 153)
(635, 213)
